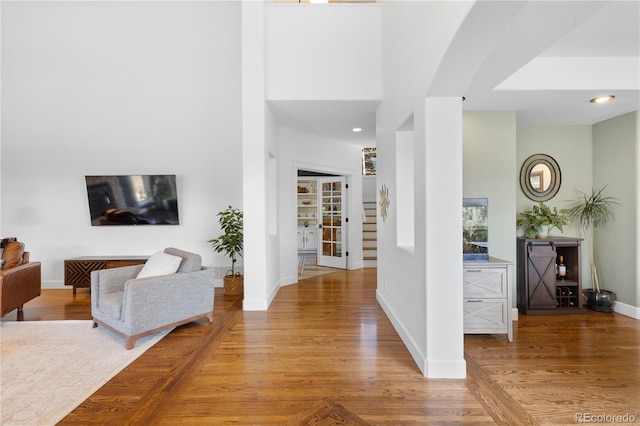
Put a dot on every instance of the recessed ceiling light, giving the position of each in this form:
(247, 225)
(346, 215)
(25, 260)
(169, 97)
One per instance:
(601, 99)
(357, 129)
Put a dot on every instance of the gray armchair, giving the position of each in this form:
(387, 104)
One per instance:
(133, 308)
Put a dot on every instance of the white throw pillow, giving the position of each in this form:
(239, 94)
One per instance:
(160, 263)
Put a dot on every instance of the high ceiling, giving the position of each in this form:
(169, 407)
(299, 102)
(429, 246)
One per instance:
(546, 61)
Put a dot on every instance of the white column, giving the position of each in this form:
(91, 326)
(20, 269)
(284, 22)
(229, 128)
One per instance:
(443, 236)
(254, 156)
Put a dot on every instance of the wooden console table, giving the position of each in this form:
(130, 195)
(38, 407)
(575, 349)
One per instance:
(77, 271)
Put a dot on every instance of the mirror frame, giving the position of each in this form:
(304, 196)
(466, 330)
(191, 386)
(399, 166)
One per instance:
(525, 177)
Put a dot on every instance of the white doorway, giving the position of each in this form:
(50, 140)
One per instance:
(322, 227)
(332, 227)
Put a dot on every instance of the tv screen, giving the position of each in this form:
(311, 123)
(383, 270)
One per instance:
(132, 200)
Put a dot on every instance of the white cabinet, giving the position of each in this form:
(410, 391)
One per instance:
(307, 208)
(307, 239)
(307, 200)
(487, 300)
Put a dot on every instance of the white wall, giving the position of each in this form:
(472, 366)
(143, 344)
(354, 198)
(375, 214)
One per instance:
(402, 275)
(258, 148)
(616, 164)
(490, 171)
(318, 53)
(443, 236)
(300, 150)
(323, 52)
(273, 194)
(369, 192)
(117, 88)
(592, 157)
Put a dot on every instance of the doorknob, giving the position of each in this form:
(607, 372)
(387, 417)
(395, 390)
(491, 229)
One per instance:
(319, 226)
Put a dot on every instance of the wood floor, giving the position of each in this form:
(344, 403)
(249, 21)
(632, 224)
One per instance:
(327, 338)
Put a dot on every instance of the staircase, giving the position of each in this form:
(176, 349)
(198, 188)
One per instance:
(369, 235)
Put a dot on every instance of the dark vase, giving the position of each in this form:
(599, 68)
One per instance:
(602, 301)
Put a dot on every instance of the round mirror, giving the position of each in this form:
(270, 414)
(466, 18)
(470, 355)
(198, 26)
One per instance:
(540, 177)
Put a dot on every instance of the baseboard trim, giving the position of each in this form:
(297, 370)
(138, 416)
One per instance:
(416, 354)
(627, 310)
(288, 281)
(430, 368)
(54, 285)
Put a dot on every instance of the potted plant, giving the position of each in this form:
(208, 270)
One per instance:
(538, 221)
(589, 212)
(231, 243)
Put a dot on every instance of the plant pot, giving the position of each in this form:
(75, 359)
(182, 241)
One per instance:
(543, 231)
(233, 284)
(601, 302)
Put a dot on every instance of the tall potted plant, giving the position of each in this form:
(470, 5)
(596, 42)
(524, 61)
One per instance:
(593, 211)
(231, 243)
(538, 221)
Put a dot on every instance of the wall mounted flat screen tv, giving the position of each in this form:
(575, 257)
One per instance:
(132, 200)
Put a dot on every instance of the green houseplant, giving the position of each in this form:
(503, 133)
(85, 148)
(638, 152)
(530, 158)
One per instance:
(538, 221)
(592, 211)
(231, 243)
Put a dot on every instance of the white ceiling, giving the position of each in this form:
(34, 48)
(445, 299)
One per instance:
(543, 59)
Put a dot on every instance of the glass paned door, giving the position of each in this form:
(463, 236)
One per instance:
(331, 250)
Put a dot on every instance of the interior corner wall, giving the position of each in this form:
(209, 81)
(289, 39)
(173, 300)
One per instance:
(311, 152)
(571, 147)
(118, 88)
(273, 194)
(615, 164)
(490, 171)
(402, 289)
(274, 231)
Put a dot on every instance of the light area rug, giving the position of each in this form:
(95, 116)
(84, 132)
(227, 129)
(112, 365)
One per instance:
(311, 271)
(48, 368)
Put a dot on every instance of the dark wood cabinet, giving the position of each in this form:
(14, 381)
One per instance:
(77, 271)
(541, 289)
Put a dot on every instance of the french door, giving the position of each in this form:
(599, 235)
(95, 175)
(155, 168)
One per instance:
(331, 235)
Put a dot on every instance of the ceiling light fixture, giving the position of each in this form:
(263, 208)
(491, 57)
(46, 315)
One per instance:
(356, 130)
(602, 99)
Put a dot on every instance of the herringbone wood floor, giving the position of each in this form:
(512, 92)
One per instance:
(327, 337)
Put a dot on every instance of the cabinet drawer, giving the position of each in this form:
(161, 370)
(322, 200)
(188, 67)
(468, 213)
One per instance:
(484, 282)
(79, 272)
(485, 316)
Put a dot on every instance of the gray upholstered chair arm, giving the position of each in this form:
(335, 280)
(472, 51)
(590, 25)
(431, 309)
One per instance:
(106, 281)
(112, 280)
(152, 302)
